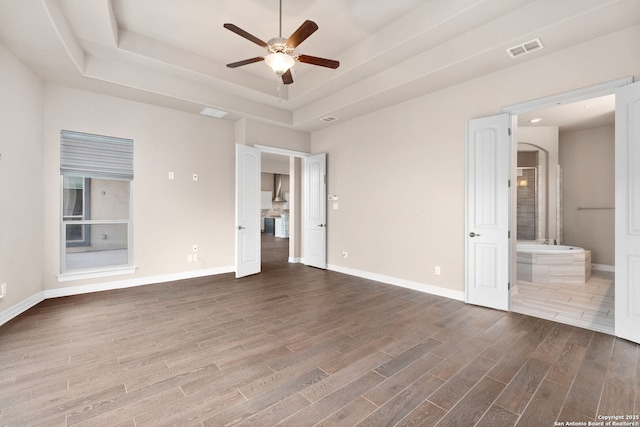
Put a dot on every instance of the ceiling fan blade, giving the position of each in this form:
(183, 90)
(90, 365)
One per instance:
(329, 63)
(287, 78)
(305, 30)
(242, 33)
(245, 62)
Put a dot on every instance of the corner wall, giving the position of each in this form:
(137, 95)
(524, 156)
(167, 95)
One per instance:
(400, 172)
(169, 216)
(21, 182)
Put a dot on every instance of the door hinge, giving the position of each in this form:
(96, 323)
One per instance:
(509, 130)
(509, 286)
(509, 183)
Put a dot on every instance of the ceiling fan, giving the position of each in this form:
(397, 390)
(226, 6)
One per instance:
(281, 57)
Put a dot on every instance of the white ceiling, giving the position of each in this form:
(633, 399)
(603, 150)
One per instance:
(575, 116)
(173, 52)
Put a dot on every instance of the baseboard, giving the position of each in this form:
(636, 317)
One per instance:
(26, 304)
(295, 260)
(416, 286)
(21, 307)
(604, 267)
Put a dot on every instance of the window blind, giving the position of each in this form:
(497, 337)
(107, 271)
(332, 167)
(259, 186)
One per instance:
(95, 156)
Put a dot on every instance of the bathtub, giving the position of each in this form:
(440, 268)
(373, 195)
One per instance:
(553, 263)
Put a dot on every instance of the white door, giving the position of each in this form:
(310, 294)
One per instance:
(488, 163)
(247, 210)
(627, 249)
(315, 172)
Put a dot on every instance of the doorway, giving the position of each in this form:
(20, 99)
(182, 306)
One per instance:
(279, 209)
(565, 185)
(627, 194)
(248, 218)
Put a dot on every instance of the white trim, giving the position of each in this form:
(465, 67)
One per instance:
(295, 260)
(26, 304)
(416, 286)
(604, 267)
(281, 151)
(588, 92)
(21, 307)
(143, 281)
(94, 274)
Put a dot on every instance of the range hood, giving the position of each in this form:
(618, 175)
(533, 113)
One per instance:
(277, 185)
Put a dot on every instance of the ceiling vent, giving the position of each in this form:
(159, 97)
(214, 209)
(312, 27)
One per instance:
(524, 48)
(329, 119)
(212, 112)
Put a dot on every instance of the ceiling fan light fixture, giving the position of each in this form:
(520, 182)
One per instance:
(279, 62)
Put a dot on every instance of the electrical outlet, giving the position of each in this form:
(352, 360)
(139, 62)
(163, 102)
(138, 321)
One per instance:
(195, 176)
(195, 248)
(3, 289)
(171, 175)
(437, 270)
(345, 254)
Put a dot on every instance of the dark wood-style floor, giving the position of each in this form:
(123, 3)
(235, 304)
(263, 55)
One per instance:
(297, 346)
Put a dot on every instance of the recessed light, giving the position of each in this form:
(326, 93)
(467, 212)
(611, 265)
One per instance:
(536, 120)
(212, 112)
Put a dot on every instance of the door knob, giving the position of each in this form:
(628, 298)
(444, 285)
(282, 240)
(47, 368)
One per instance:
(472, 234)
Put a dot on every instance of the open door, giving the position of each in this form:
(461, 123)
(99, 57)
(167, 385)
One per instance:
(488, 171)
(315, 238)
(627, 248)
(248, 243)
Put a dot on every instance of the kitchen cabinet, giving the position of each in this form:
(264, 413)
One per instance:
(282, 226)
(265, 200)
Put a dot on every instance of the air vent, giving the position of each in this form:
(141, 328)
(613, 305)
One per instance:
(212, 112)
(329, 119)
(524, 48)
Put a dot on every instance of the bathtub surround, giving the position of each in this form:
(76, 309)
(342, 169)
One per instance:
(553, 263)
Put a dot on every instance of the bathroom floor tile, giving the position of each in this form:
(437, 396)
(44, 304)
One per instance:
(589, 305)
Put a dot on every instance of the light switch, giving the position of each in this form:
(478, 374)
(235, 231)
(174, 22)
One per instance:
(335, 206)
(171, 175)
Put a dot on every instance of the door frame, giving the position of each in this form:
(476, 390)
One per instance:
(288, 153)
(594, 91)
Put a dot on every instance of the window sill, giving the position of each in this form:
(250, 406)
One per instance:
(92, 274)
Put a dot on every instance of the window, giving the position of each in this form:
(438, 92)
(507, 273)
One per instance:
(96, 175)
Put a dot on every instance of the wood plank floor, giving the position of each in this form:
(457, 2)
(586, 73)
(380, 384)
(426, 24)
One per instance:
(297, 346)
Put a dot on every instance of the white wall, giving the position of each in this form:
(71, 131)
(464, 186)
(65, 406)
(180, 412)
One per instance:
(399, 172)
(588, 162)
(252, 132)
(21, 177)
(169, 215)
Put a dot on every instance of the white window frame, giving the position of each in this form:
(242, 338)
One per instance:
(95, 272)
